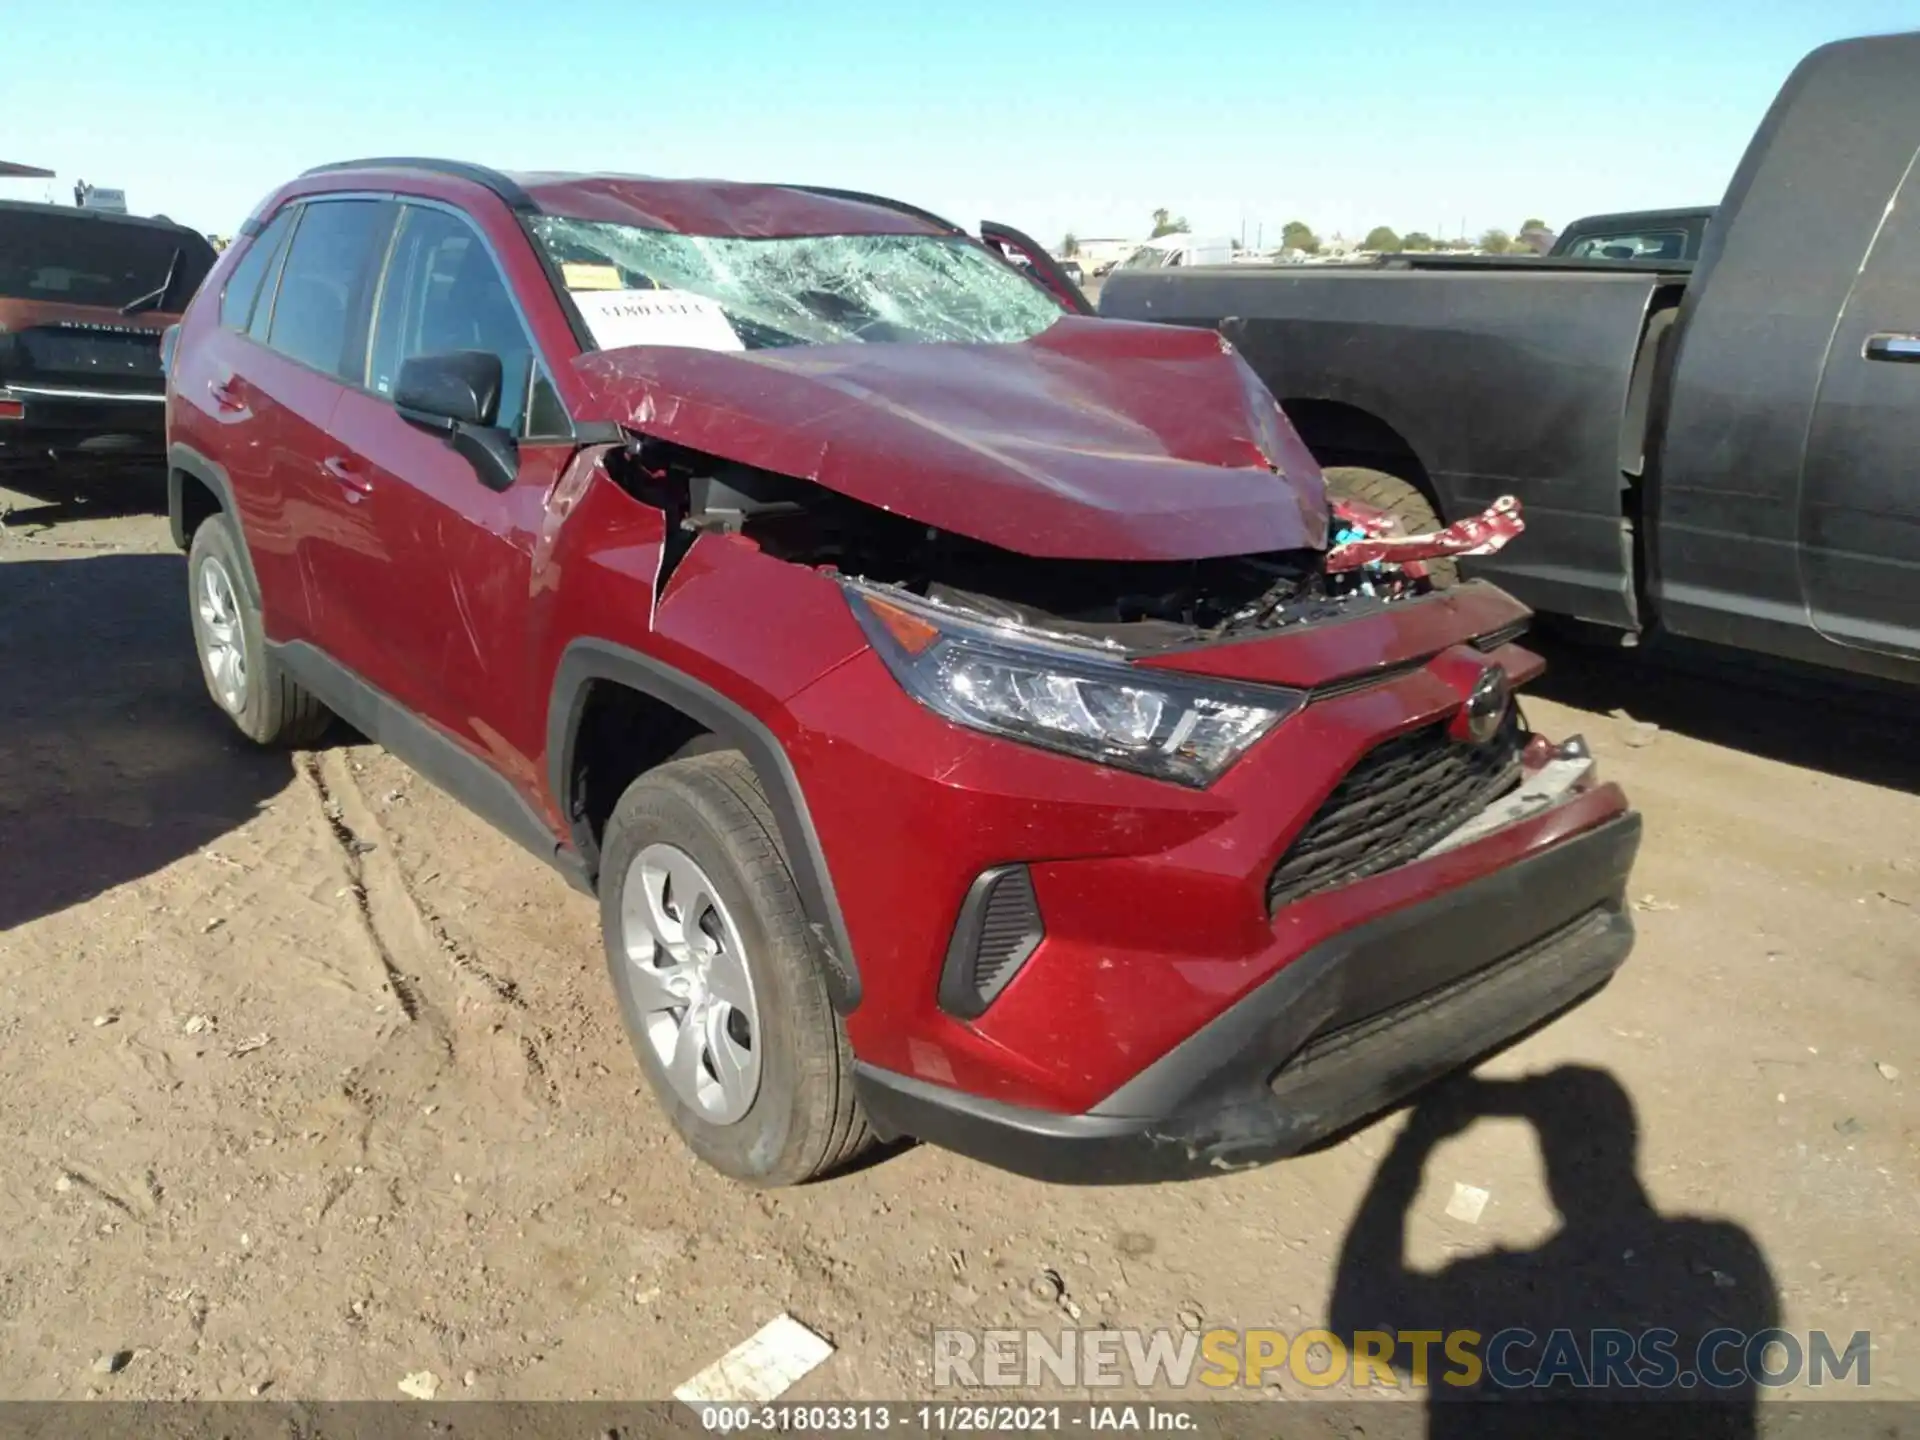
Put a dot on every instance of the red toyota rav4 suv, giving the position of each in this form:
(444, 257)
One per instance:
(953, 700)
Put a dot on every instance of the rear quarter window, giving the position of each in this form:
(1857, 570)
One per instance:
(243, 285)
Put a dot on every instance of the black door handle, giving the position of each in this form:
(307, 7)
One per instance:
(1898, 348)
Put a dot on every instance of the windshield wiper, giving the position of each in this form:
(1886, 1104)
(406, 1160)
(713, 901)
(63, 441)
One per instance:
(153, 299)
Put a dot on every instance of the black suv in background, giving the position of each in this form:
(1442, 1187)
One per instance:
(84, 300)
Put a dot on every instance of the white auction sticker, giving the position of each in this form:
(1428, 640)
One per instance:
(618, 318)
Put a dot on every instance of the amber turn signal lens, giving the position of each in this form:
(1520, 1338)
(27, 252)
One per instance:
(913, 633)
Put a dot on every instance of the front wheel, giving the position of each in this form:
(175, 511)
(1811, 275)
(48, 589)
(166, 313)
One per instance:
(713, 964)
(1403, 501)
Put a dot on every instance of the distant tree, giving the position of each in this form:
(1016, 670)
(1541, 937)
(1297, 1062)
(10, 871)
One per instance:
(1496, 242)
(1070, 246)
(1526, 225)
(1295, 235)
(1534, 240)
(1417, 240)
(1382, 239)
(1165, 222)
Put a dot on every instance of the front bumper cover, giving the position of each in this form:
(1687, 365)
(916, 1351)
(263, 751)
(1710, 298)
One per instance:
(1344, 1031)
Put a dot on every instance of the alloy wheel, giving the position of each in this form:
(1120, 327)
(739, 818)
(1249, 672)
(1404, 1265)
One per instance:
(223, 642)
(692, 984)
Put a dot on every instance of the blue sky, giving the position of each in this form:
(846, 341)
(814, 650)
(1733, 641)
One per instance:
(1421, 114)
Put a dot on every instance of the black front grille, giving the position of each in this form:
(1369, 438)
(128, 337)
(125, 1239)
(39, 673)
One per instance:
(1400, 798)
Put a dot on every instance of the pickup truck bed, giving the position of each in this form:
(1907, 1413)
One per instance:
(1722, 450)
(1421, 349)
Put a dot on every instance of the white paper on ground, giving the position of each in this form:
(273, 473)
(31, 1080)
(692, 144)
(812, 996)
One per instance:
(655, 317)
(759, 1368)
(1467, 1202)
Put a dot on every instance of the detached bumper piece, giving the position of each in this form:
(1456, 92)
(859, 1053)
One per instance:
(1348, 1029)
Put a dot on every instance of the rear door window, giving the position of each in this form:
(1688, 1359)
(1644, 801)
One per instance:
(443, 293)
(319, 311)
(243, 285)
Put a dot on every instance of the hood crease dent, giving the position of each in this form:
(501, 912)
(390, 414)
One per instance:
(1094, 440)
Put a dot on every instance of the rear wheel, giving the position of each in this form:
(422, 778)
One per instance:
(1403, 501)
(268, 705)
(712, 960)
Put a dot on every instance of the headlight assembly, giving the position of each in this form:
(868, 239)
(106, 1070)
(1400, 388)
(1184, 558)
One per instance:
(1010, 681)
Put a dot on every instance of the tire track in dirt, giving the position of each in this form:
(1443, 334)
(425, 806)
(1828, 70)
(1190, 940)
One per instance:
(487, 1003)
(353, 852)
(456, 1014)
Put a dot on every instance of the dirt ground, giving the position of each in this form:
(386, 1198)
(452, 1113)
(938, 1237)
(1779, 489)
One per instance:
(308, 1081)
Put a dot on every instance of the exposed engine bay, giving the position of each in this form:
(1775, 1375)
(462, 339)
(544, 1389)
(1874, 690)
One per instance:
(1138, 606)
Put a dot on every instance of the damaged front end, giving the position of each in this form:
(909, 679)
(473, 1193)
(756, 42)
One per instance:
(1108, 660)
(1092, 537)
(1220, 763)
(1138, 607)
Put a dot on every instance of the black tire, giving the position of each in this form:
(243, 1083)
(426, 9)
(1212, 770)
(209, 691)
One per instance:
(277, 709)
(1399, 499)
(804, 1121)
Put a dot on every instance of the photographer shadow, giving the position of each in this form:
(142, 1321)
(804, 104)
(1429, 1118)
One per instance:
(1616, 1265)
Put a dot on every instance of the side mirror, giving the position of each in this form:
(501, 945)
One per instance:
(457, 394)
(458, 387)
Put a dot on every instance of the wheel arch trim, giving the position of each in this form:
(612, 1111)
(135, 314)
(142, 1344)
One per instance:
(184, 460)
(588, 660)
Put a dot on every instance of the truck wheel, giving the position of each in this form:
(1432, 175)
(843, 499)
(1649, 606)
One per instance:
(1399, 499)
(713, 964)
(259, 696)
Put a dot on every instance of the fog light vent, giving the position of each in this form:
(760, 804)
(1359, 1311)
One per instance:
(998, 930)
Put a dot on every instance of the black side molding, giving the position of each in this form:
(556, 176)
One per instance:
(465, 777)
(588, 660)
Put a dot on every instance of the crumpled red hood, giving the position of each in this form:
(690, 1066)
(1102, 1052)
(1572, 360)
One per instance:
(1097, 439)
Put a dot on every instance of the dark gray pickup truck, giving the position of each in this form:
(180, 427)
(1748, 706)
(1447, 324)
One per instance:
(1727, 449)
(1635, 235)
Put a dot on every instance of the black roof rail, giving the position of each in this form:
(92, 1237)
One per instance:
(860, 197)
(516, 198)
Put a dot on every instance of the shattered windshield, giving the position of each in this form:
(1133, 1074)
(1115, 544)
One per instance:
(635, 286)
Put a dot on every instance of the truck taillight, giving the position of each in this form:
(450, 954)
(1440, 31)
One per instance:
(11, 409)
